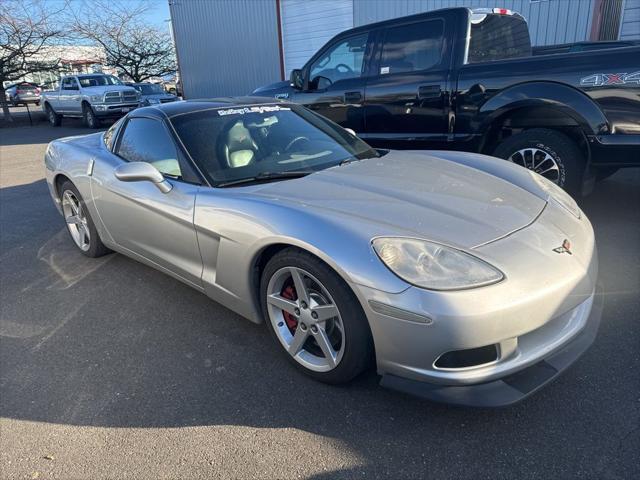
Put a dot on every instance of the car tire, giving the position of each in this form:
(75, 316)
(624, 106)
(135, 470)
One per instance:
(54, 119)
(89, 117)
(558, 157)
(348, 332)
(81, 229)
(603, 173)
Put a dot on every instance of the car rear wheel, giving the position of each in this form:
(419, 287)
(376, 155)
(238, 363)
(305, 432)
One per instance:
(315, 317)
(89, 117)
(549, 153)
(79, 222)
(53, 117)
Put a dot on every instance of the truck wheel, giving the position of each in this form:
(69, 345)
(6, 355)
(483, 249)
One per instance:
(548, 152)
(89, 117)
(54, 118)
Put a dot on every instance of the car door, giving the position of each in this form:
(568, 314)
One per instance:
(407, 101)
(334, 81)
(137, 215)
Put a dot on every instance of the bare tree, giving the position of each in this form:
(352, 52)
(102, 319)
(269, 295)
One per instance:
(26, 28)
(134, 47)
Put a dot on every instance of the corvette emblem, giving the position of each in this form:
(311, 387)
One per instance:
(564, 248)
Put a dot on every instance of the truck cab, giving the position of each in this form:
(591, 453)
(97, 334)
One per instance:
(92, 97)
(466, 79)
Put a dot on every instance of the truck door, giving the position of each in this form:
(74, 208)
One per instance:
(407, 99)
(69, 96)
(334, 81)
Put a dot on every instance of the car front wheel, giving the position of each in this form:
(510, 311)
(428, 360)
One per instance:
(315, 317)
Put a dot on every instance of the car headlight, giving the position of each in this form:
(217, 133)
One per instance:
(95, 98)
(557, 194)
(434, 266)
(153, 101)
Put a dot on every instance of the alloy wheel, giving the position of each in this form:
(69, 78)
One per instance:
(76, 220)
(539, 161)
(306, 319)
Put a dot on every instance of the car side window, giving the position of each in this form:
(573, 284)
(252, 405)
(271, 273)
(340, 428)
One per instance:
(412, 48)
(343, 60)
(147, 140)
(111, 134)
(69, 83)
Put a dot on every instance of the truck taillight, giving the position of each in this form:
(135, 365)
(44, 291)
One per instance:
(502, 11)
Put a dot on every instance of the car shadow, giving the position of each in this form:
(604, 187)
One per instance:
(112, 343)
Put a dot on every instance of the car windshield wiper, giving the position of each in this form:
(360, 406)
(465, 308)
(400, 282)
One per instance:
(266, 176)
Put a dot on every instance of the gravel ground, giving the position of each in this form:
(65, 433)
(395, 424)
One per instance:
(111, 370)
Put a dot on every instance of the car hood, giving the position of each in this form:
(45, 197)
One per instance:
(159, 96)
(413, 194)
(107, 88)
(284, 85)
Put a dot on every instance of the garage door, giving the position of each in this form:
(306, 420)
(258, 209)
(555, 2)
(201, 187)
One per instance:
(306, 26)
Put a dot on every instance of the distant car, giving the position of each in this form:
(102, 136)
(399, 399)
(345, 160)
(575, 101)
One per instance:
(153, 94)
(469, 279)
(23, 93)
(91, 97)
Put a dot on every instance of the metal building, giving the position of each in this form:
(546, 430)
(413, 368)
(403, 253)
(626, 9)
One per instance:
(230, 47)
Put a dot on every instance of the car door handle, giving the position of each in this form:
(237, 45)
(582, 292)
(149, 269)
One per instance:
(352, 97)
(429, 91)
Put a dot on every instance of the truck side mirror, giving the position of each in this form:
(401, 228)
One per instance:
(296, 79)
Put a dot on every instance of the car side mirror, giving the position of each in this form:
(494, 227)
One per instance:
(296, 79)
(142, 172)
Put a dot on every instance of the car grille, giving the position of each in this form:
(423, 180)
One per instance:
(120, 97)
(129, 96)
(165, 100)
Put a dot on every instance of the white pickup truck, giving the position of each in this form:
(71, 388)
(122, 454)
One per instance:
(91, 97)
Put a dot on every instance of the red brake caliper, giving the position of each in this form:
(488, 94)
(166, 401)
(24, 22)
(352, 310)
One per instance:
(289, 292)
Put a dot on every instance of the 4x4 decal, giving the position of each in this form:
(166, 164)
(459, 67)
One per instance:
(600, 79)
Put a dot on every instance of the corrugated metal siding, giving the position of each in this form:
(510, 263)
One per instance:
(550, 21)
(307, 26)
(225, 47)
(630, 27)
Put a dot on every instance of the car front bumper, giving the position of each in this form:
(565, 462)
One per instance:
(538, 320)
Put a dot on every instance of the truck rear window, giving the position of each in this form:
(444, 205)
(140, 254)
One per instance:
(498, 37)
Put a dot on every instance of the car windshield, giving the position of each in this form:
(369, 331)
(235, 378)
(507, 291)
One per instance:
(98, 80)
(245, 143)
(149, 89)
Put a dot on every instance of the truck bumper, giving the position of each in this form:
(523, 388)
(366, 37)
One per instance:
(615, 150)
(106, 110)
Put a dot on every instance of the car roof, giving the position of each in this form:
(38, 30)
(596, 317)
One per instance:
(187, 106)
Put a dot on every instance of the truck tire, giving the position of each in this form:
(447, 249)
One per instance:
(53, 117)
(89, 117)
(550, 153)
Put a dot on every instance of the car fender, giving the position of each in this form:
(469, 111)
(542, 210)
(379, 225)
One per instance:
(233, 232)
(571, 101)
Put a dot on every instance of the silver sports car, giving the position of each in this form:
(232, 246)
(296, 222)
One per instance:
(463, 278)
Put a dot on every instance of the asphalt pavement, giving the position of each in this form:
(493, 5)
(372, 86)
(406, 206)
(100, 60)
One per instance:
(112, 370)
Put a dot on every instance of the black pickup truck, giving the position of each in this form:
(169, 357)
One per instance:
(467, 80)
